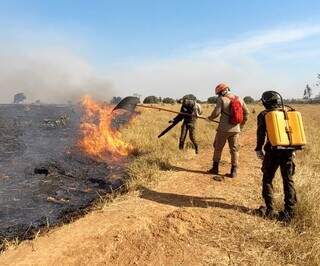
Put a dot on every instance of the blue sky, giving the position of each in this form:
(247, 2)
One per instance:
(160, 47)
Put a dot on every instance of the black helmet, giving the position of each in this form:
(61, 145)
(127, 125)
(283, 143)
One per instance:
(271, 99)
(189, 97)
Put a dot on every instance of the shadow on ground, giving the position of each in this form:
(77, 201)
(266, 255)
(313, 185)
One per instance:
(181, 169)
(170, 167)
(179, 200)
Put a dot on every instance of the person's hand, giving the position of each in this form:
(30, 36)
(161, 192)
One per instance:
(260, 155)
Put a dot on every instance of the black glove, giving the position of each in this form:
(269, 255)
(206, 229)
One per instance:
(260, 155)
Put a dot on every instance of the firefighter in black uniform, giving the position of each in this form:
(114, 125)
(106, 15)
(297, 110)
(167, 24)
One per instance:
(273, 158)
(189, 106)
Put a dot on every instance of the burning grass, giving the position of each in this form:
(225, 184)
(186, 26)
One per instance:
(100, 140)
(298, 243)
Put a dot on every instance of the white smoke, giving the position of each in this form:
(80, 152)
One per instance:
(51, 76)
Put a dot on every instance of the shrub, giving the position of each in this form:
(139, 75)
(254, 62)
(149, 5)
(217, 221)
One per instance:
(248, 99)
(169, 100)
(151, 99)
(115, 100)
(212, 99)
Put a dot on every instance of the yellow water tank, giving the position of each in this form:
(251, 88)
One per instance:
(285, 128)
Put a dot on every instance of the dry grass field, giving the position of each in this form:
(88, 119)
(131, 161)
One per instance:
(175, 213)
(300, 242)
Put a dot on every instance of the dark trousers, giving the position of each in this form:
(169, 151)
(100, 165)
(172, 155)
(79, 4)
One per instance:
(185, 128)
(272, 161)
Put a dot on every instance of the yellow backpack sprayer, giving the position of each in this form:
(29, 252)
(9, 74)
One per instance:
(285, 127)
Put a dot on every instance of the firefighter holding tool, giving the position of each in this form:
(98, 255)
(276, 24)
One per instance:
(189, 112)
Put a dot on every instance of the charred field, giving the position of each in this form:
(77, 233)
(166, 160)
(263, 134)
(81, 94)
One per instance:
(45, 177)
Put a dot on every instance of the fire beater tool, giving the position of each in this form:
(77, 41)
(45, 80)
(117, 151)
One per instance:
(130, 103)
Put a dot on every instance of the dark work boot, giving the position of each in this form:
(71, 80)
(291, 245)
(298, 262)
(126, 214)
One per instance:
(196, 149)
(266, 212)
(233, 172)
(181, 145)
(271, 214)
(215, 169)
(285, 216)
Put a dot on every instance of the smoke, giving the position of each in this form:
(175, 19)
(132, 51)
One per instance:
(51, 76)
(199, 75)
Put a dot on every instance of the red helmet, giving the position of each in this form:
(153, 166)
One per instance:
(221, 87)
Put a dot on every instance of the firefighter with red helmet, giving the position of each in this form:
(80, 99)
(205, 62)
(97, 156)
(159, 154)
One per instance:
(233, 114)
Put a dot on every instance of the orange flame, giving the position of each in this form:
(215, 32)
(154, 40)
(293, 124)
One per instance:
(99, 139)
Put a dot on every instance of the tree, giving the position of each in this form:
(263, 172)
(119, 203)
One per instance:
(168, 100)
(307, 92)
(212, 99)
(248, 99)
(151, 99)
(115, 100)
(19, 98)
(316, 99)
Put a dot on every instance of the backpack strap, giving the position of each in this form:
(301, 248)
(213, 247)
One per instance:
(230, 98)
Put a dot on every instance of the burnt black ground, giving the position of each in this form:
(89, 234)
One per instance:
(43, 176)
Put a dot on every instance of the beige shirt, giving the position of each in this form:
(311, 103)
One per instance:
(198, 109)
(222, 108)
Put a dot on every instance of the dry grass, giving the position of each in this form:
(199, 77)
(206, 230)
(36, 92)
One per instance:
(155, 154)
(298, 243)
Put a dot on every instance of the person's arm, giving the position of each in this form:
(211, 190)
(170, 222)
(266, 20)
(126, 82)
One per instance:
(179, 117)
(198, 109)
(245, 114)
(217, 110)
(261, 131)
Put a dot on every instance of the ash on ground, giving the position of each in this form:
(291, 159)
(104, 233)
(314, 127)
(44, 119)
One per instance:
(43, 177)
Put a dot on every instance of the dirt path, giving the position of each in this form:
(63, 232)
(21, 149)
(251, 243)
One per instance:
(187, 218)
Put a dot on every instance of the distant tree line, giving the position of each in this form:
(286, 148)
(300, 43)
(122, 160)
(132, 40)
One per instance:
(308, 92)
(168, 100)
(307, 97)
(315, 100)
